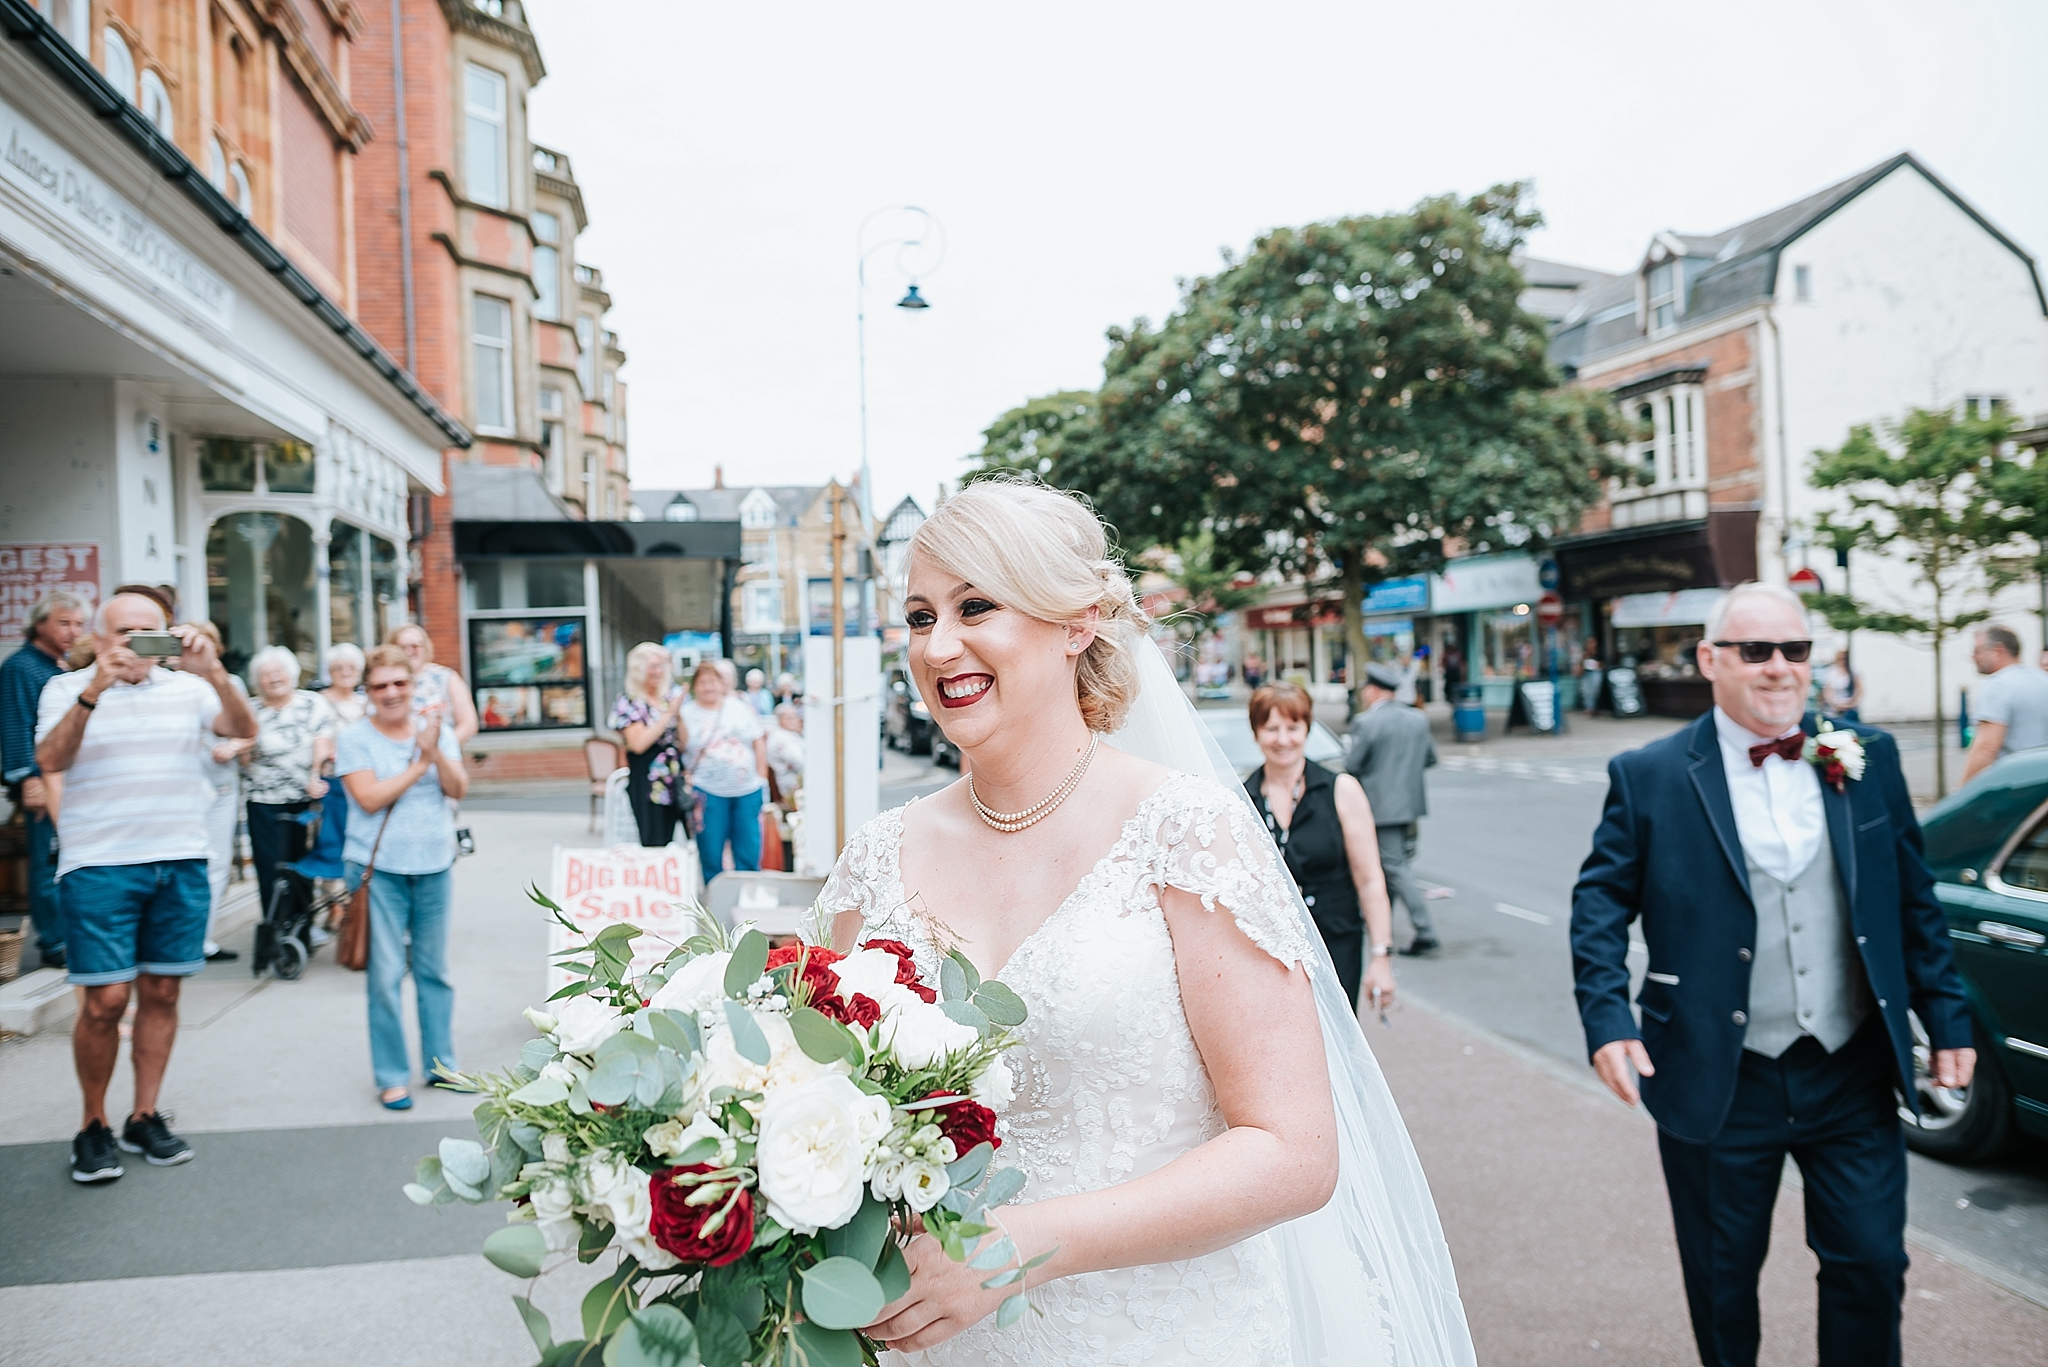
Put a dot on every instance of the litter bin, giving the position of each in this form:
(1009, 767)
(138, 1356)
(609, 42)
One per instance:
(1469, 717)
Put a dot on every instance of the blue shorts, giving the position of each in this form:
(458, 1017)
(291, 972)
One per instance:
(128, 918)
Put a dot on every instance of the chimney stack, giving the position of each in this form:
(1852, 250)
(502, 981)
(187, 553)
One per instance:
(718, 476)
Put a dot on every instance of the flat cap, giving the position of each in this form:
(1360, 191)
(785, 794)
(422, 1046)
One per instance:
(1383, 676)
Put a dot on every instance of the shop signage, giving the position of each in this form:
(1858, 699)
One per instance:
(1294, 616)
(624, 885)
(50, 176)
(1624, 696)
(1686, 608)
(1492, 581)
(30, 569)
(1399, 595)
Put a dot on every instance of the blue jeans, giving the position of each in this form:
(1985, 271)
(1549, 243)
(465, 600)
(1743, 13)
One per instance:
(45, 906)
(408, 912)
(126, 918)
(735, 819)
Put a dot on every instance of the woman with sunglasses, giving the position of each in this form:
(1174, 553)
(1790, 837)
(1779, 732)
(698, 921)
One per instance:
(400, 772)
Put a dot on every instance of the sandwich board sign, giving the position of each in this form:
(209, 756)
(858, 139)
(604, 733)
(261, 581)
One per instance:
(653, 889)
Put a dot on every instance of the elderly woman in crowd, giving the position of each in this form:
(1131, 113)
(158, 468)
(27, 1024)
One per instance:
(1323, 825)
(437, 685)
(344, 691)
(726, 756)
(294, 740)
(786, 751)
(645, 717)
(401, 771)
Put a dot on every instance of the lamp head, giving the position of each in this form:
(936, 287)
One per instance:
(913, 300)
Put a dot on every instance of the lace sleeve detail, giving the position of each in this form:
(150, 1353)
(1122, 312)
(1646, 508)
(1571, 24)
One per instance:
(1206, 843)
(864, 879)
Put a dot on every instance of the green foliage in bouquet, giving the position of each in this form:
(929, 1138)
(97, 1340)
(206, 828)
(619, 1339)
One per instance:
(647, 1119)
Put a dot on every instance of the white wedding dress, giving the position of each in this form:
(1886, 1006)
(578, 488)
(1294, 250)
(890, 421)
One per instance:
(1109, 1083)
(1110, 1086)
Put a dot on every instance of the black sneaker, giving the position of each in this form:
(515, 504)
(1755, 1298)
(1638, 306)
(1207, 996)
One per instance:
(1422, 946)
(150, 1135)
(94, 1157)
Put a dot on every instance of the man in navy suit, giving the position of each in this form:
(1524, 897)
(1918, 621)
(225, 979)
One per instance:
(1790, 922)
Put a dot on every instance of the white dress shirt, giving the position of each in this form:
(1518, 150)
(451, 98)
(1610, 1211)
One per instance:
(1779, 816)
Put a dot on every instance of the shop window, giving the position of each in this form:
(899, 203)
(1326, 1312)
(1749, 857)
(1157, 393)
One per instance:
(259, 586)
(529, 672)
(484, 136)
(227, 466)
(554, 583)
(156, 103)
(492, 335)
(385, 590)
(117, 65)
(288, 467)
(345, 583)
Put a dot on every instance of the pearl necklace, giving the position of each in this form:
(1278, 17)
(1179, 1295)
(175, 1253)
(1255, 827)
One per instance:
(1031, 816)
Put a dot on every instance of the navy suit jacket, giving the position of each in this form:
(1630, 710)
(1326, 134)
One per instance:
(1667, 852)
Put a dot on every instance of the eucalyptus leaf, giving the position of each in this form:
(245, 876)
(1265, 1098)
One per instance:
(996, 1255)
(747, 1038)
(673, 1029)
(817, 1346)
(749, 958)
(821, 1038)
(966, 1170)
(1003, 1186)
(657, 1336)
(464, 1160)
(1002, 1279)
(625, 1042)
(427, 1172)
(536, 1324)
(1000, 1004)
(968, 971)
(967, 1013)
(592, 1240)
(862, 1237)
(840, 1293)
(952, 982)
(1012, 1310)
(542, 1091)
(537, 1053)
(418, 1194)
(893, 1274)
(1041, 1259)
(517, 1249)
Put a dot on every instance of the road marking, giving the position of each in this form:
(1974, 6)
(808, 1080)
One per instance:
(1519, 768)
(1522, 913)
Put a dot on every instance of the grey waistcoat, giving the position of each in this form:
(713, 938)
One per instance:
(1807, 978)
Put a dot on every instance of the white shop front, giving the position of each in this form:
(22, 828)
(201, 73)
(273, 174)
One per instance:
(178, 405)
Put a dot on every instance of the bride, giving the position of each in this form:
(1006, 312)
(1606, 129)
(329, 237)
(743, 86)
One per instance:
(1209, 1145)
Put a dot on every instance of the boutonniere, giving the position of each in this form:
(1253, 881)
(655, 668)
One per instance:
(1837, 754)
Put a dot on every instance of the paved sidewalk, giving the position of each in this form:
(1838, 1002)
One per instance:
(1553, 1202)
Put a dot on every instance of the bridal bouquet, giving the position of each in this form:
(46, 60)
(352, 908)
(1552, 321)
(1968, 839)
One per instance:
(756, 1133)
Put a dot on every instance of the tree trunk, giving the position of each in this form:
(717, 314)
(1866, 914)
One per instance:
(1351, 579)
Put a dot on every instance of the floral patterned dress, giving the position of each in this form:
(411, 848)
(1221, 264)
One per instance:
(664, 758)
(1110, 1084)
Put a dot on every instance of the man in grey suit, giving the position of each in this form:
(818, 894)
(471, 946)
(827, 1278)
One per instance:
(1390, 747)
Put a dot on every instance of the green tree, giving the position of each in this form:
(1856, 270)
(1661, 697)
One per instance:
(2020, 484)
(1029, 438)
(1212, 588)
(1925, 491)
(1349, 396)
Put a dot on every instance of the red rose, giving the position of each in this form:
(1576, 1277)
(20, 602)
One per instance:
(859, 1009)
(906, 967)
(966, 1123)
(680, 1228)
(823, 982)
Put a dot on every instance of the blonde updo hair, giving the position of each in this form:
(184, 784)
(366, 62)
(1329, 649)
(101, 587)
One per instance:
(1045, 553)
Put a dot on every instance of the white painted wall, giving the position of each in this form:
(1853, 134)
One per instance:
(1913, 305)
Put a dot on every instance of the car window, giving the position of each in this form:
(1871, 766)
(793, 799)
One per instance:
(2026, 868)
(1233, 732)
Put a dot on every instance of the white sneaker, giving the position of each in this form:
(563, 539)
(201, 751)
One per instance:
(316, 936)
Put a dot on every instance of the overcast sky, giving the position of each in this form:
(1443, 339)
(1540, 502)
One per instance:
(1084, 156)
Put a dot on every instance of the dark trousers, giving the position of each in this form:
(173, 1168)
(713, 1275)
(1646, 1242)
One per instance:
(274, 839)
(1347, 951)
(45, 903)
(656, 821)
(1835, 1114)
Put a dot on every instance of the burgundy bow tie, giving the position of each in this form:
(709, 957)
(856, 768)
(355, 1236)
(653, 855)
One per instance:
(1784, 747)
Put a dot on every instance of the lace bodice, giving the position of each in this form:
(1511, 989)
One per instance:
(1110, 1084)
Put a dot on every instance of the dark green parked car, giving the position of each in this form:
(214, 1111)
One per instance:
(1988, 846)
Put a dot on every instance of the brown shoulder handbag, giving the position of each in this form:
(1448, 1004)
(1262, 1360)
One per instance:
(352, 945)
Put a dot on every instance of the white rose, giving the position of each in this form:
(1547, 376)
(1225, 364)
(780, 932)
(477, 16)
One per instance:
(787, 1066)
(553, 1203)
(920, 1035)
(585, 1023)
(566, 1070)
(924, 1184)
(994, 1088)
(813, 1151)
(696, 987)
(871, 972)
(541, 1021)
(554, 1148)
(672, 1139)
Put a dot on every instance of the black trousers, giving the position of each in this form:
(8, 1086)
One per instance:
(1347, 950)
(1836, 1115)
(657, 822)
(274, 839)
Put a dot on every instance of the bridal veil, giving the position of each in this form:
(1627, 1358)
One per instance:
(1369, 1277)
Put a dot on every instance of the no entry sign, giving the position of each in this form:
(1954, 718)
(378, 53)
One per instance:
(1550, 609)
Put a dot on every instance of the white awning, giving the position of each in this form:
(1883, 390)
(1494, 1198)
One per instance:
(1685, 608)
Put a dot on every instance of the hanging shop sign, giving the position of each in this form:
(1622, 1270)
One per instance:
(1294, 616)
(30, 569)
(1686, 608)
(1399, 595)
(1482, 582)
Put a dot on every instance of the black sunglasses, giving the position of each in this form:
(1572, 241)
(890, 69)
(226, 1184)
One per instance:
(1756, 652)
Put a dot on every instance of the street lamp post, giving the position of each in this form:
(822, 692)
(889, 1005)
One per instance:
(928, 233)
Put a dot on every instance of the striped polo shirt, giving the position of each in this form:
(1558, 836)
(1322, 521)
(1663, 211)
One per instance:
(139, 789)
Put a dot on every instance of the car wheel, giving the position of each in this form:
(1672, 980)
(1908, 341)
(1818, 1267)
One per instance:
(1968, 1125)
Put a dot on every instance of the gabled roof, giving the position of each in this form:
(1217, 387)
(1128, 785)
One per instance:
(1744, 265)
(723, 504)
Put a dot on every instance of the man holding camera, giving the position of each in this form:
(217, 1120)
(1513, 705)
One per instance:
(131, 739)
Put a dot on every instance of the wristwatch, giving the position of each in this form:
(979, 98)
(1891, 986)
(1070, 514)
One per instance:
(1382, 951)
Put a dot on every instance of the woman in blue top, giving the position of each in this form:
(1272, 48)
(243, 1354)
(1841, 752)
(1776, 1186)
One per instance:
(400, 772)
(726, 756)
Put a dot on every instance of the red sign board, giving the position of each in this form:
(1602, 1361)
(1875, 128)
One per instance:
(1805, 581)
(1292, 616)
(30, 569)
(1550, 609)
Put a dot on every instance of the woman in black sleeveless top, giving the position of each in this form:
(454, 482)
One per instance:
(1323, 825)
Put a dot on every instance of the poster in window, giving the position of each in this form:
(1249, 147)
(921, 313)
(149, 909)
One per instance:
(530, 672)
